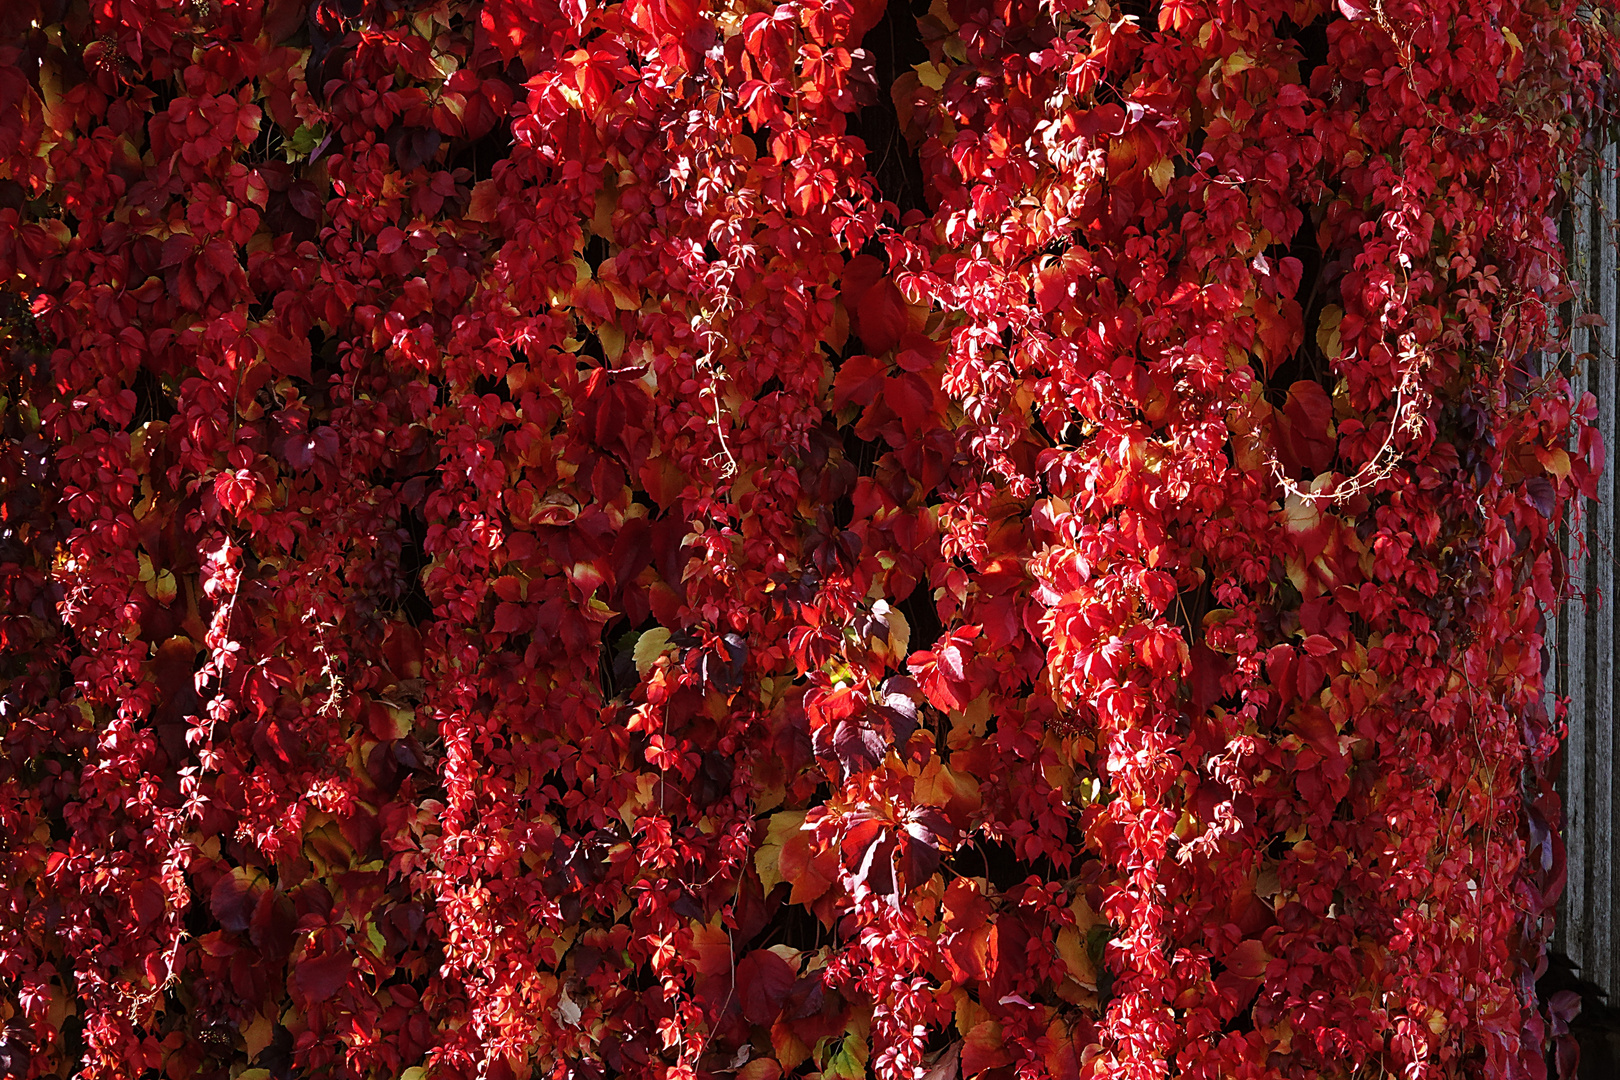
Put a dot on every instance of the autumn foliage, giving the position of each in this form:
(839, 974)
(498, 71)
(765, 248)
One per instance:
(721, 538)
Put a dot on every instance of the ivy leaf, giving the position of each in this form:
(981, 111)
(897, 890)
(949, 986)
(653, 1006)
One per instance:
(320, 978)
(649, 647)
(1309, 442)
(983, 1049)
(783, 827)
(857, 745)
(235, 896)
(946, 1065)
(868, 847)
(764, 980)
(1542, 495)
(924, 838)
(412, 147)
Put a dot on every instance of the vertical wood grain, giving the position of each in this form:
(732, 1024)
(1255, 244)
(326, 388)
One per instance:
(1569, 635)
(1601, 578)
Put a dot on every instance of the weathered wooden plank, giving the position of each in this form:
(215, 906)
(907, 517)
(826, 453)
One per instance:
(1584, 639)
(1569, 635)
(1602, 379)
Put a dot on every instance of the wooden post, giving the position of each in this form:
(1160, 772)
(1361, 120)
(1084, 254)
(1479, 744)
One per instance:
(1582, 632)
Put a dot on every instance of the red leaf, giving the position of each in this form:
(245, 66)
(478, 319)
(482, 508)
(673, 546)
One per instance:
(883, 318)
(413, 147)
(287, 356)
(859, 381)
(320, 978)
(1106, 119)
(1317, 731)
(918, 352)
(764, 980)
(947, 1065)
(1208, 669)
(857, 746)
(177, 249)
(860, 274)
(984, 1048)
(508, 618)
(911, 399)
(282, 18)
(1248, 960)
(1309, 442)
(921, 845)
(1177, 15)
(146, 900)
(234, 897)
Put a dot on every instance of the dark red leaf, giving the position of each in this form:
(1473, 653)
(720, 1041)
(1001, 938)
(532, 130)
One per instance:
(320, 978)
(764, 981)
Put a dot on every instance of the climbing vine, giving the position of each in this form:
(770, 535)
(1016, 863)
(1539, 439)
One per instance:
(821, 539)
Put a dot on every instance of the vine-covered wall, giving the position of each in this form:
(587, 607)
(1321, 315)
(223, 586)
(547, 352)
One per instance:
(691, 539)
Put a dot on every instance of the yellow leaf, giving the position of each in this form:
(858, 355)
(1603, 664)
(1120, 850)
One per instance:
(931, 75)
(767, 860)
(969, 1013)
(791, 1051)
(899, 634)
(639, 799)
(940, 785)
(1301, 514)
(1162, 172)
(257, 1034)
(1327, 330)
(970, 723)
(148, 496)
(607, 201)
(899, 641)
(649, 647)
(1238, 61)
(400, 721)
(1072, 949)
(612, 339)
(1555, 460)
(1084, 917)
(848, 1062)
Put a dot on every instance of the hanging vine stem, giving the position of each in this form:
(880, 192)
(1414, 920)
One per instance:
(1414, 361)
(139, 1002)
(1406, 419)
(712, 339)
(334, 678)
